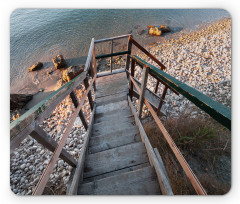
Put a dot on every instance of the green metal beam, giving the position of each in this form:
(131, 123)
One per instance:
(216, 110)
(112, 55)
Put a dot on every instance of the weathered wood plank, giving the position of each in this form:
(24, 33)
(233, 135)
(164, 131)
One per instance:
(44, 139)
(163, 97)
(166, 190)
(81, 115)
(113, 90)
(112, 38)
(143, 88)
(129, 48)
(113, 115)
(105, 142)
(113, 128)
(108, 73)
(114, 159)
(111, 98)
(138, 182)
(72, 189)
(111, 78)
(216, 110)
(112, 55)
(25, 124)
(111, 106)
(111, 51)
(113, 173)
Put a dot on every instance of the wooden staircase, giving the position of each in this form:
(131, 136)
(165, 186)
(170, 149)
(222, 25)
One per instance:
(117, 162)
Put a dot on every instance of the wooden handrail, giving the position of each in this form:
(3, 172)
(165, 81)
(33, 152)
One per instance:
(192, 177)
(90, 55)
(216, 110)
(112, 38)
(24, 125)
(46, 174)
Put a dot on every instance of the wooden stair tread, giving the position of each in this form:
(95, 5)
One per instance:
(112, 114)
(139, 182)
(110, 78)
(110, 141)
(111, 98)
(115, 159)
(112, 106)
(113, 173)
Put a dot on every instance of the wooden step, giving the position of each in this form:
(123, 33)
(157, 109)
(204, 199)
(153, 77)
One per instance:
(112, 127)
(110, 91)
(112, 115)
(113, 173)
(140, 182)
(112, 106)
(111, 99)
(115, 159)
(111, 78)
(110, 141)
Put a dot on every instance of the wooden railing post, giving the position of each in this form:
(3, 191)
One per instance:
(111, 56)
(85, 81)
(129, 48)
(94, 66)
(81, 115)
(130, 81)
(156, 87)
(163, 97)
(143, 88)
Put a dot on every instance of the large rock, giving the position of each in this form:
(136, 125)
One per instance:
(72, 72)
(165, 29)
(154, 31)
(35, 67)
(59, 62)
(18, 101)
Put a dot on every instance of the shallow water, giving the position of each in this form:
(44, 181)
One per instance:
(40, 34)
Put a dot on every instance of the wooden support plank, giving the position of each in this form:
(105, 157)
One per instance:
(112, 54)
(147, 53)
(25, 124)
(94, 63)
(81, 115)
(216, 110)
(47, 171)
(129, 48)
(44, 139)
(192, 177)
(107, 73)
(92, 75)
(85, 81)
(111, 51)
(112, 38)
(163, 97)
(72, 189)
(165, 188)
(156, 87)
(132, 74)
(143, 88)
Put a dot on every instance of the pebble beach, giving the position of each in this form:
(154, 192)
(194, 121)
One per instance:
(201, 59)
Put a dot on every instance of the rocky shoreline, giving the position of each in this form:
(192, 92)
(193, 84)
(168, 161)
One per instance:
(201, 59)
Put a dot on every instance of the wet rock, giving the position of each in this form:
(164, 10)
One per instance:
(165, 29)
(18, 101)
(141, 31)
(71, 72)
(59, 62)
(35, 67)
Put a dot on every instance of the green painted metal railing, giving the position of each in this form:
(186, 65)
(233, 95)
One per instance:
(216, 110)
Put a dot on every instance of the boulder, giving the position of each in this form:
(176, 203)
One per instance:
(59, 62)
(35, 67)
(141, 31)
(18, 101)
(71, 72)
(154, 31)
(165, 29)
